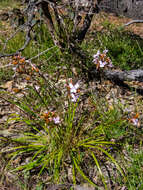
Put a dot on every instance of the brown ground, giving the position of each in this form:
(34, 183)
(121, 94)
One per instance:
(136, 28)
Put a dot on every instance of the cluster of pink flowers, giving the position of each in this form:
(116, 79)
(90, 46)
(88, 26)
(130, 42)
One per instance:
(51, 117)
(73, 91)
(101, 60)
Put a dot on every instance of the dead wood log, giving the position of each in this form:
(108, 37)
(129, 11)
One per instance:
(116, 75)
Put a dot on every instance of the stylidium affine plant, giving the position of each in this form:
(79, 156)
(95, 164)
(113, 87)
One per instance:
(101, 60)
(58, 141)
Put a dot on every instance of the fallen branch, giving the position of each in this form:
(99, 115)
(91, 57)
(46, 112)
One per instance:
(133, 21)
(133, 75)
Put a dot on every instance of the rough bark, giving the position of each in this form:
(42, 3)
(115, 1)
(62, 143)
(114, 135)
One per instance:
(133, 75)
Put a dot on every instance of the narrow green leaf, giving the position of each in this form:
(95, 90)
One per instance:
(113, 160)
(100, 171)
(82, 173)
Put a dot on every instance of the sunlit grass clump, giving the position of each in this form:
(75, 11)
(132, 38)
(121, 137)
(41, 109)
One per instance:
(59, 133)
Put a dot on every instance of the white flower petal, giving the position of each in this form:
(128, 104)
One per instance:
(102, 64)
(97, 54)
(70, 85)
(76, 86)
(105, 51)
(74, 97)
(110, 65)
(73, 90)
(135, 121)
(56, 120)
(14, 68)
(95, 60)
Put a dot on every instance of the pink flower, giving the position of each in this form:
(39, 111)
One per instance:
(135, 121)
(102, 64)
(96, 55)
(110, 65)
(56, 120)
(74, 97)
(105, 51)
(73, 91)
(73, 88)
